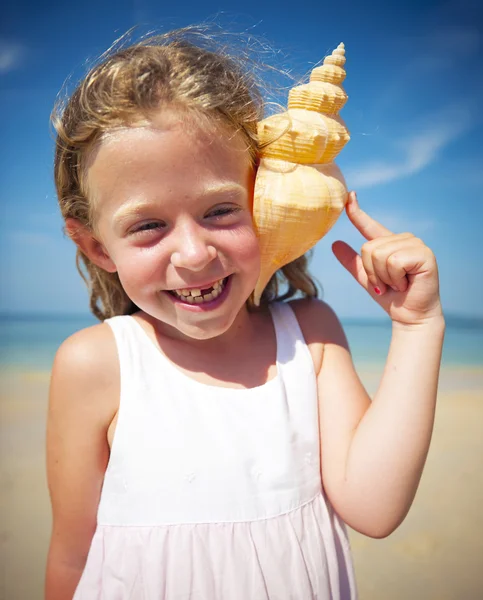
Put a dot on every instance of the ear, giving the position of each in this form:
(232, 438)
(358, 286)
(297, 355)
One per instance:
(89, 245)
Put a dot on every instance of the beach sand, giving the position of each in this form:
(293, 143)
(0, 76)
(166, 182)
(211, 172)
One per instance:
(436, 554)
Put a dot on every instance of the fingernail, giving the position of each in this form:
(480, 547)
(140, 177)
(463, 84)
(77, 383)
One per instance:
(378, 291)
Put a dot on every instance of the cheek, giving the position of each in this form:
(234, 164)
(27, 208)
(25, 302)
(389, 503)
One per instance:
(243, 244)
(252, 250)
(140, 266)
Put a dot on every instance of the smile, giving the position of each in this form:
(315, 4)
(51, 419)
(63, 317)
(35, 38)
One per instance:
(200, 295)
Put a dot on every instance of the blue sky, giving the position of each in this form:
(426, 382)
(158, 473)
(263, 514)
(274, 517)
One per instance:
(415, 85)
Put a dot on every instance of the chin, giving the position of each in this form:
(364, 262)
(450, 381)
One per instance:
(200, 335)
(207, 329)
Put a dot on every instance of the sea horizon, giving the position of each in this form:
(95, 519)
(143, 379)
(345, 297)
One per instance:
(29, 340)
(453, 318)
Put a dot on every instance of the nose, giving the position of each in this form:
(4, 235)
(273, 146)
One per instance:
(193, 248)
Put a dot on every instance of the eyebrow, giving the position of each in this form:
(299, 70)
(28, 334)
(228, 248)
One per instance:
(136, 207)
(223, 188)
(127, 212)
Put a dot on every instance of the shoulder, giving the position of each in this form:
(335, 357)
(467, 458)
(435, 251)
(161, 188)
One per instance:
(320, 327)
(88, 351)
(318, 321)
(86, 368)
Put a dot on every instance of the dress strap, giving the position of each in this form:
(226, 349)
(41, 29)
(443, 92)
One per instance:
(290, 339)
(135, 363)
(125, 341)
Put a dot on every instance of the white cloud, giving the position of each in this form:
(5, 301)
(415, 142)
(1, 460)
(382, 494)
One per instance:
(11, 56)
(418, 150)
(396, 221)
(399, 223)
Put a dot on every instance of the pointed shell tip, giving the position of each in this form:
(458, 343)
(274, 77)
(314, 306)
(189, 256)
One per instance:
(340, 50)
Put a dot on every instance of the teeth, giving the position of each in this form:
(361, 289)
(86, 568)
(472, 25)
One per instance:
(194, 296)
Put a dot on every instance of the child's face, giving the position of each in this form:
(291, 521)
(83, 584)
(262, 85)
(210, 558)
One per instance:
(173, 212)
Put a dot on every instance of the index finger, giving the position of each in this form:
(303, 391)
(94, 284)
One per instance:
(368, 227)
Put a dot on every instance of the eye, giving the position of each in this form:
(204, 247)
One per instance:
(222, 211)
(148, 227)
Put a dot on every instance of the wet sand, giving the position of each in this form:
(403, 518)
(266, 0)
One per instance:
(436, 554)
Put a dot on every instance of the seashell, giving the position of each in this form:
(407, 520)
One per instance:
(299, 191)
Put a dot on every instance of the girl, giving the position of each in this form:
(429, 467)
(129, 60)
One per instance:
(198, 448)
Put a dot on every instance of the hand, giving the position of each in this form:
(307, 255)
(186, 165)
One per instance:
(398, 270)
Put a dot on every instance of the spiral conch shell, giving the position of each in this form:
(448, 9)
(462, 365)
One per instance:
(299, 191)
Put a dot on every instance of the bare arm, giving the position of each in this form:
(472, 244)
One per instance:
(389, 448)
(373, 454)
(82, 403)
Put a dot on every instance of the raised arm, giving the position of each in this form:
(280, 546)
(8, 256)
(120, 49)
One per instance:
(84, 395)
(373, 454)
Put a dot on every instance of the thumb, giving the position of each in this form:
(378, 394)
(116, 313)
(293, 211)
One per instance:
(349, 259)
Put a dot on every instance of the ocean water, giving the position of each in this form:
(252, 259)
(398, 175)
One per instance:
(30, 341)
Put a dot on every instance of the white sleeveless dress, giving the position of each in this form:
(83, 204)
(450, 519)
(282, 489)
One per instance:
(214, 493)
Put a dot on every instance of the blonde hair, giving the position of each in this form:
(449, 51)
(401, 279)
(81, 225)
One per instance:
(177, 70)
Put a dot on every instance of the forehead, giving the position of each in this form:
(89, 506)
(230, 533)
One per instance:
(168, 156)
